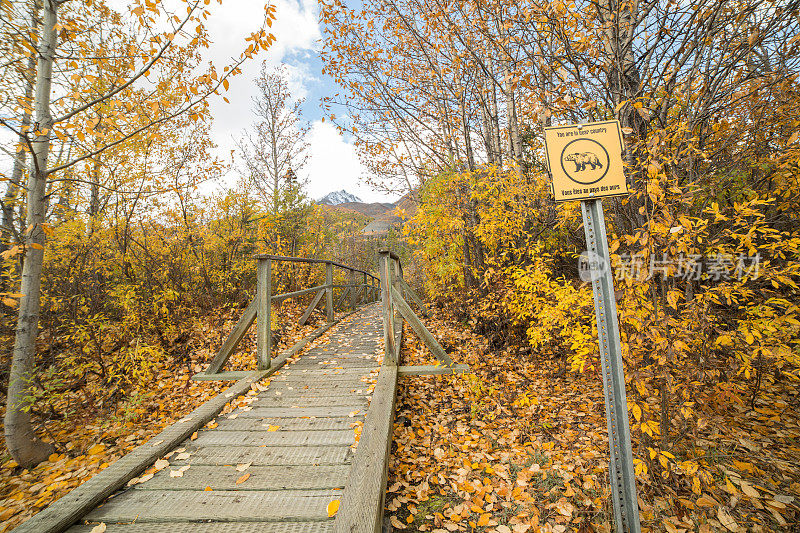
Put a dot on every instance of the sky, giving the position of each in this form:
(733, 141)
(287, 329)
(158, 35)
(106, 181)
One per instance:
(333, 164)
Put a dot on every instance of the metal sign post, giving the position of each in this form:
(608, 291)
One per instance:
(621, 471)
(585, 163)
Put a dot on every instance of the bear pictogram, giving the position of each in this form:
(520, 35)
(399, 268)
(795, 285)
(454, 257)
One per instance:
(581, 159)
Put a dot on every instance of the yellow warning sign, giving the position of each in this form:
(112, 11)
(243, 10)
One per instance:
(585, 160)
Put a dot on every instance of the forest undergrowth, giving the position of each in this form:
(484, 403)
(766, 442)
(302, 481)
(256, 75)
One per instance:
(517, 445)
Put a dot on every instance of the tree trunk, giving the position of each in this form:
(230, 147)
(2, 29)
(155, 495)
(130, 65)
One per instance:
(19, 160)
(21, 440)
(494, 118)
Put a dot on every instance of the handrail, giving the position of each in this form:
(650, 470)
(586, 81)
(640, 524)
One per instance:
(260, 308)
(313, 260)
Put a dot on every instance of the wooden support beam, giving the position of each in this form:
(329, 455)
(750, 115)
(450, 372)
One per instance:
(264, 321)
(432, 370)
(361, 295)
(329, 292)
(287, 295)
(235, 337)
(342, 297)
(417, 300)
(419, 328)
(311, 307)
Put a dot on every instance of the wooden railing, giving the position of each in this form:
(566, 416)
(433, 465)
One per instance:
(365, 290)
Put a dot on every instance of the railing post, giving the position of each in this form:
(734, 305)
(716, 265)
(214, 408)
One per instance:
(365, 296)
(329, 292)
(388, 312)
(398, 275)
(264, 314)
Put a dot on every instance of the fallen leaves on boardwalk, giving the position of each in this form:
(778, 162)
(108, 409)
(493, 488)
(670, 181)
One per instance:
(516, 448)
(91, 439)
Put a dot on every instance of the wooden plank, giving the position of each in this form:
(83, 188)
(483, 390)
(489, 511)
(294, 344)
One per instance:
(414, 296)
(264, 320)
(286, 424)
(223, 376)
(354, 375)
(338, 363)
(307, 393)
(299, 411)
(419, 328)
(432, 370)
(144, 506)
(361, 509)
(319, 401)
(218, 527)
(274, 438)
(234, 338)
(298, 477)
(65, 511)
(272, 456)
(311, 307)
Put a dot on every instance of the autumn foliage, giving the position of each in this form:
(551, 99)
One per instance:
(453, 96)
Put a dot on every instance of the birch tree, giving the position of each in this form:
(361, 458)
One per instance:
(276, 148)
(157, 48)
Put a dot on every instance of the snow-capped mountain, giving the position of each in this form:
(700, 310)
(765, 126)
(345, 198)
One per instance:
(338, 197)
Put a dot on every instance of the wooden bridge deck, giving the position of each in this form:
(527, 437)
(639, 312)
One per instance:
(296, 437)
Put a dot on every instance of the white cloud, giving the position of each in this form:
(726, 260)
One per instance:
(334, 165)
(295, 29)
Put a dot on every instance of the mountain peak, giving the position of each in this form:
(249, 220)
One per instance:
(338, 197)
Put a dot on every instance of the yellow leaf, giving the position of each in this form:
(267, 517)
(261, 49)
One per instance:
(730, 487)
(637, 412)
(97, 448)
(273, 428)
(208, 489)
(333, 508)
(484, 519)
(243, 478)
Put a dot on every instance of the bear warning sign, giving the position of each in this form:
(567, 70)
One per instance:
(585, 160)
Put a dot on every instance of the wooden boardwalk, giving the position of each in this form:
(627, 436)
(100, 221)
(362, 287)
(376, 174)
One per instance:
(278, 461)
(295, 438)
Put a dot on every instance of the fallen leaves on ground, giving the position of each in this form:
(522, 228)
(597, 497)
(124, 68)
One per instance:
(90, 439)
(518, 446)
(333, 508)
